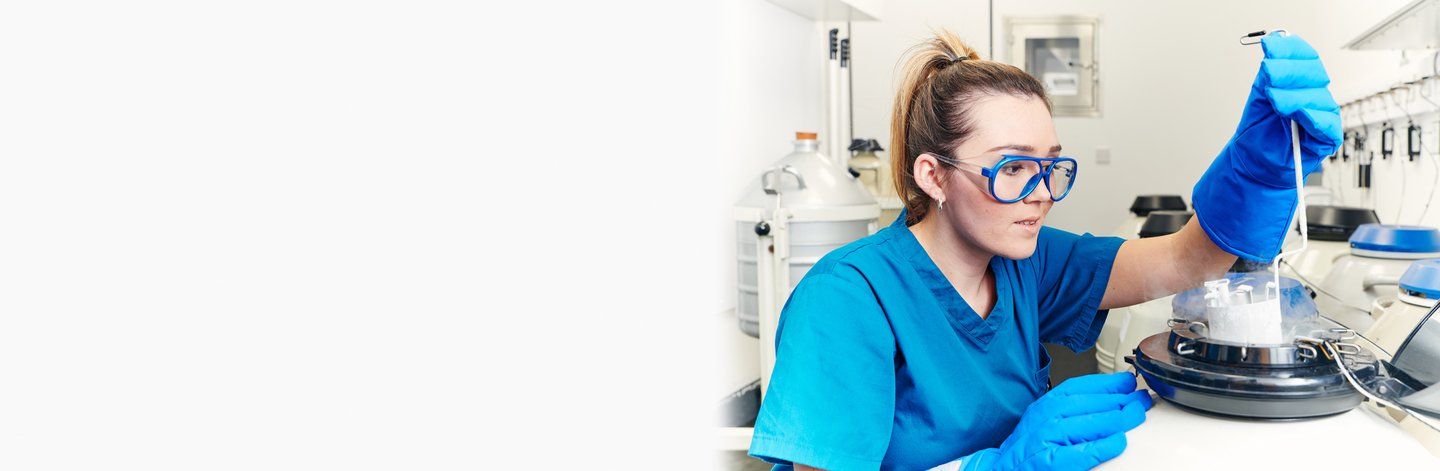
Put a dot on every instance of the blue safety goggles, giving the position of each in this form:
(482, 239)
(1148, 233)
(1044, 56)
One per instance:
(1014, 177)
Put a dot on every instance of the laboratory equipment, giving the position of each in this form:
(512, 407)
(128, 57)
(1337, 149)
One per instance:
(839, 123)
(1188, 369)
(803, 207)
(1160, 223)
(1406, 384)
(873, 172)
(1329, 230)
(1307, 367)
(1221, 356)
(1395, 317)
(1142, 207)
(833, 92)
(1125, 327)
(1412, 141)
(1387, 141)
(1395, 320)
(1378, 255)
(1222, 361)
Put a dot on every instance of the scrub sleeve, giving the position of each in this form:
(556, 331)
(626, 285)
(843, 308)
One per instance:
(1073, 271)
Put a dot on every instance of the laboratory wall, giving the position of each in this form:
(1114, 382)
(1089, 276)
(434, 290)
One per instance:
(1401, 187)
(1173, 80)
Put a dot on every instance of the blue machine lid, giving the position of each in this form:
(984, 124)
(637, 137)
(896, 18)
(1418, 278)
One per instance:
(1396, 238)
(1422, 279)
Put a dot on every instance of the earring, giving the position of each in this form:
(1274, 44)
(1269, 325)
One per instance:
(942, 204)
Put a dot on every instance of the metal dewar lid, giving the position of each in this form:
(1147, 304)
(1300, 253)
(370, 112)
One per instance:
(1201, 366)
(1336, 223)
(1145, 204)
(1422, 279)
(1395, 241)
(1164, 222)
(1299, 380)
(1276, 382)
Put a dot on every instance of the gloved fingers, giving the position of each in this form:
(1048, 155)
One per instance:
(1089, 427)
(1287, 46)
(1290, 101)
(1113, 383)
(1320, 132)
(1294, 73)
(1085, 404)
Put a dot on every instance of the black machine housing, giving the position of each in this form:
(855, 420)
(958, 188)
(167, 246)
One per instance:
(1294, 381)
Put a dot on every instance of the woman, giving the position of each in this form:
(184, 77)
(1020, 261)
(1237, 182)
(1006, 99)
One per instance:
(921, 345)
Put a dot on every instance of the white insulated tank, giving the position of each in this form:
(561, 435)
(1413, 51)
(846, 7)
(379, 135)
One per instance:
(1396, 317)
(1379, 254)
(1329, 228)
(800, 209)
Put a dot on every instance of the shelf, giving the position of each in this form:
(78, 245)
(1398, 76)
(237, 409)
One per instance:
(833, 10)
(1413, 26)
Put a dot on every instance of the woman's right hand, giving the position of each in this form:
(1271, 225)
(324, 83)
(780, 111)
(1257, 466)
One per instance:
(1077, 425)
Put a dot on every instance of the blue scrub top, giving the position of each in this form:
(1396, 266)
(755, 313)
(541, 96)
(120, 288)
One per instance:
(881, 364)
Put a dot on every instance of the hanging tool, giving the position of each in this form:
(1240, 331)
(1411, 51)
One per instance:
(1412, 141)
(1387, 141)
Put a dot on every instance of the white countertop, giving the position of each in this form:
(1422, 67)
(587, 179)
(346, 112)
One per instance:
(1174, 439)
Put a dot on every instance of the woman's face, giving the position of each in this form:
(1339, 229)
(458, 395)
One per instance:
(1004, 124)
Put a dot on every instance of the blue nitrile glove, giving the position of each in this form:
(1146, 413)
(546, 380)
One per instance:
(1246, 198)
(1077, 425)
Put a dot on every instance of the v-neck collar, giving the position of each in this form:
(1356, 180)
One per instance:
(958, 312)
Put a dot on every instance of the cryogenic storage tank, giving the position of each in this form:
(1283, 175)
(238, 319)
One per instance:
(1236, 347)
(803, 207)
(1330, 228)
(1396, 317)
(1378, 255)
(1234, 352)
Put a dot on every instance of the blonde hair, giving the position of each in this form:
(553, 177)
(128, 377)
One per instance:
(942, 78)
